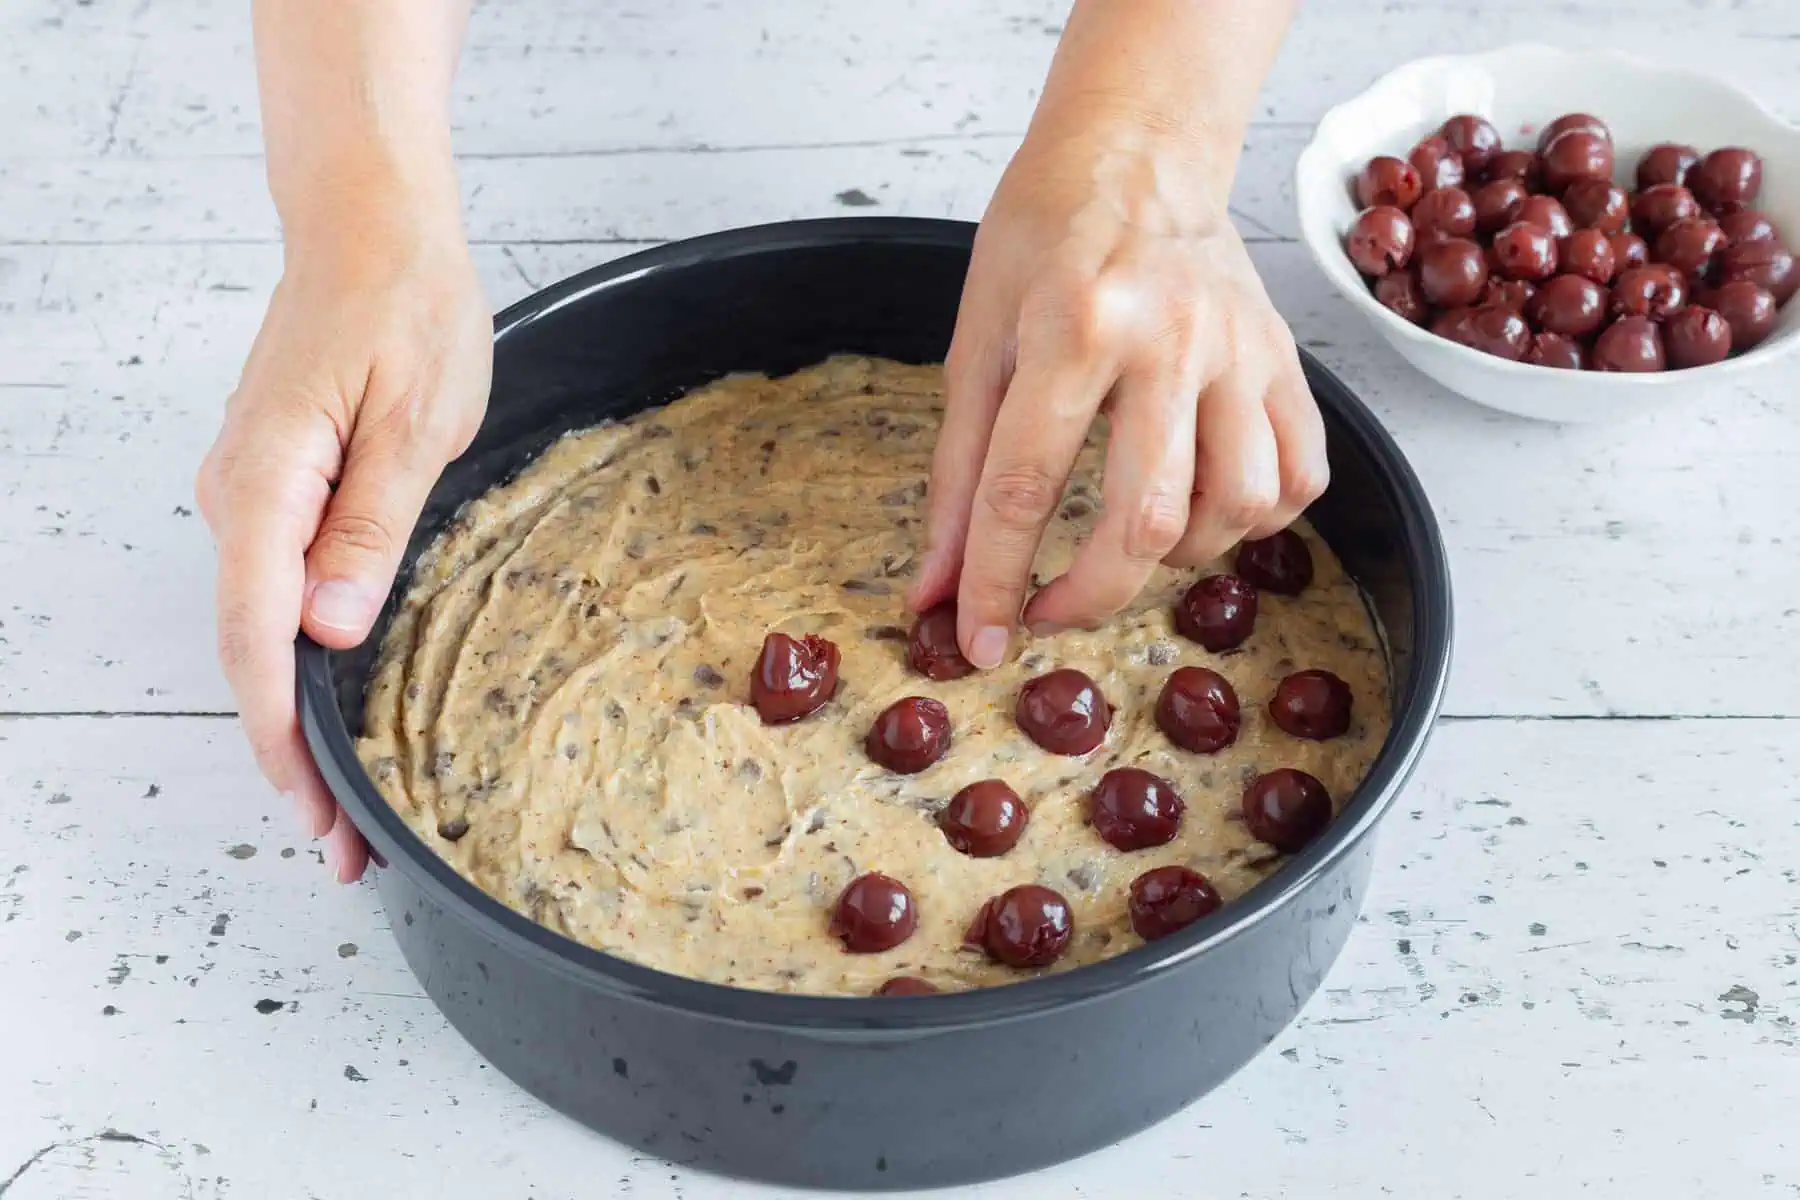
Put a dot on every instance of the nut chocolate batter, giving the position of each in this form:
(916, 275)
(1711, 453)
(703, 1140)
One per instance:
(561, 708)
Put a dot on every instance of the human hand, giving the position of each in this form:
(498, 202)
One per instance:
(370, 373)
(1107, 278)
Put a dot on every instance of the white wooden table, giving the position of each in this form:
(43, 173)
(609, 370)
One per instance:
(1579, 972)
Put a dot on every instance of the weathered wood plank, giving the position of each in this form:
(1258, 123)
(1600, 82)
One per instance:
(1572, 925)
(638, 195)
(158, 78)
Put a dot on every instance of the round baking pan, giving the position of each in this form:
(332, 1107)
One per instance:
(864, 1093)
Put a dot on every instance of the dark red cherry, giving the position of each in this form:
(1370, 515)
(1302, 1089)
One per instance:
(1131, 809)
(909, 735)
(932, 650)
(873, 914)
(1063, 712)
(1286, 808)
(985, 819)
(792, 679)
(1218, 612)
(1279, 563)
(1312, 704)
(1026, 926)
(1198, 710)
(1165, 899)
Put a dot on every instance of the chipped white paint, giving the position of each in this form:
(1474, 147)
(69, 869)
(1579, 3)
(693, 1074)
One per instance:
(1579, 927)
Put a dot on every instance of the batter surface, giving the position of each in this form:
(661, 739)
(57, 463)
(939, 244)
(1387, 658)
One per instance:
(561, 708)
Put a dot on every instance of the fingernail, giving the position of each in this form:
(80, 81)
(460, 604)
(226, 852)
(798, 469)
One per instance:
(340, 604)
(987, 647)
(1044, 629)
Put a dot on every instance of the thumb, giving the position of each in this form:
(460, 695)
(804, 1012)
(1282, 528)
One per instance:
(352, 561)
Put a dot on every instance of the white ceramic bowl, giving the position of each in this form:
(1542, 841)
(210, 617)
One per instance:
(1521, 89)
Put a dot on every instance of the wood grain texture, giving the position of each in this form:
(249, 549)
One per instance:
(1577, 930)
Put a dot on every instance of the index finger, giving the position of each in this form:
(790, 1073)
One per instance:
(1148, 483)
(1041, 427)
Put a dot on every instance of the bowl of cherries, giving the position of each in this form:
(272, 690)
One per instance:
(1564, 235)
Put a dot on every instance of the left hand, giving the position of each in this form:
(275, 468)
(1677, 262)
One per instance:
(1107, 278)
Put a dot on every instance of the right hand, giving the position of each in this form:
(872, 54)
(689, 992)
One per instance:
(370, 373)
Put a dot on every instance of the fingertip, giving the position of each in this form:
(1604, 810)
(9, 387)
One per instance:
(987, 647)
(313, 810)
(340, 612)
(346, 851)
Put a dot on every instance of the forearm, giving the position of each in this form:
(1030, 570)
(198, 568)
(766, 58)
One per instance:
(1189, 70)
(355, 105)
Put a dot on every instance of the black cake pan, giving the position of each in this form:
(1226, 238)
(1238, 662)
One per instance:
(864, 1093)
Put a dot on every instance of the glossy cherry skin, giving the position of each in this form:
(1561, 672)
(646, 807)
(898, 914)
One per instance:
(1474, 139)
(909, 735)
(793, 678)
(875, 913)
(1165, 899)
(1131, 809)
(1388, 181)
(1497, 204)
(1572, 305)
(1588, 253)
(1521, 165)
(1696, 337)
(1656, 208)
(1286, 808)
(1026, 926)
(985, 819)
(1380, 241)
(1437, 164)
(1597, 204)
(1668, 162)
(932, 650)
(1312, 704)
(1219, 612)
(1198, 710)
(1063, 712)
(1555, 350)
(1451, 272)
(1585, 122)
(1764, 262)
(1441, 214)
(1513, 295)
(1747, 307)
(1525, 251)
(1730, 177)
(1548, 212)
(1279, 563)
(1494, 330)
(1574, 155)
(1689, 245)
(1630, 344)
(906, 985)
(1400, 294)
(1748, 225)
(1654, 291)
(1629, 250)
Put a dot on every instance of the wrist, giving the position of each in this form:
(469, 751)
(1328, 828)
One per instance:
(1179, 77)
(367, 215)
(1201, 159)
